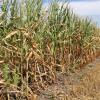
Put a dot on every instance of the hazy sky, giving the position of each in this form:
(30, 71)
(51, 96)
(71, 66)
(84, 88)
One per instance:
(86, 7)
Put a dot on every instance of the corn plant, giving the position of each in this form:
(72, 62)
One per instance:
(36, 46)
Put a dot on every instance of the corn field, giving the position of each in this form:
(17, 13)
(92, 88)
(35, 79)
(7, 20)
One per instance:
(36, 44)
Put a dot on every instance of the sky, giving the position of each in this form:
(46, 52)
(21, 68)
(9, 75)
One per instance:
(86, 7)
